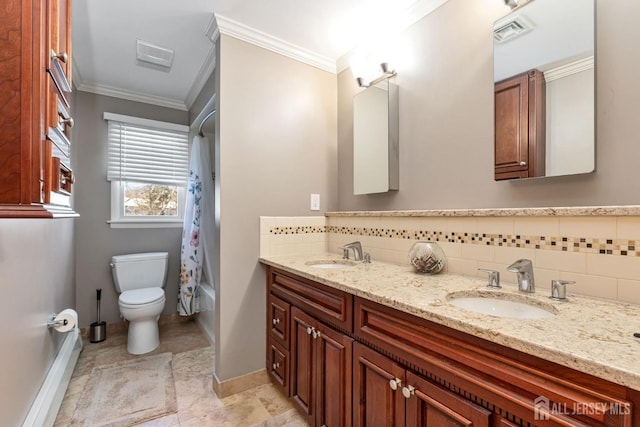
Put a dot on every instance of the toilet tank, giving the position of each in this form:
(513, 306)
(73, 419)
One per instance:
(135, 271)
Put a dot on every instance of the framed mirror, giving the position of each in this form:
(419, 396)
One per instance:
(544, 83)
(375, 139)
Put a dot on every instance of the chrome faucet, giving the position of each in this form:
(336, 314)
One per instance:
(357, 251)
(524, 270)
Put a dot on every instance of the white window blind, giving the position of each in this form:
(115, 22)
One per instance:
(143, 150)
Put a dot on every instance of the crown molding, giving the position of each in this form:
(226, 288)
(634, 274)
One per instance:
(245, 33)
(212, 31)
(414, 13)
(105, 90)
(206, 69)
(569, 69)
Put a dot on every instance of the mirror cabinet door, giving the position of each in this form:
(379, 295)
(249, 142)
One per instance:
(375, 139)
(544, 88)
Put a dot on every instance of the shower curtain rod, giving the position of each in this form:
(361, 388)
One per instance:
(207, 117)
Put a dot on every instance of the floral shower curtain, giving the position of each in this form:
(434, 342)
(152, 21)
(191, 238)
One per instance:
(198, 227)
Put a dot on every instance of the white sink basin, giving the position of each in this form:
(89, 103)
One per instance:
(499, 307)
(330, 264)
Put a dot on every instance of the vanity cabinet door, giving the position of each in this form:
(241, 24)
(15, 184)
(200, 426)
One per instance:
(334, 375)
(321, 371)
(429, 405)
(375, 402)
(303, 359)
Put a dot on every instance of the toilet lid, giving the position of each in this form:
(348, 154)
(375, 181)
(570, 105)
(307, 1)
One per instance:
(141, 296)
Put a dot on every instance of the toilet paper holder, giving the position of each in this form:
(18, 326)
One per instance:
(52, 322)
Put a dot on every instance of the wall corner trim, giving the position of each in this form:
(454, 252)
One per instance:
(250, 35)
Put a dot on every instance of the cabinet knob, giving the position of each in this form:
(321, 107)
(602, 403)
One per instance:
(309, 330)
(408, 391)
(523, 163)
(394, 383)
(69, 122)
(62, 56)
(275, 321)
(276, 366)
(315, 333)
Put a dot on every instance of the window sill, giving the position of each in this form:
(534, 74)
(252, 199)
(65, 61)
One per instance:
(146, 223)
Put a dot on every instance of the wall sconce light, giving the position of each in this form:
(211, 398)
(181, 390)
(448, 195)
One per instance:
(511, 3)
(386, 73)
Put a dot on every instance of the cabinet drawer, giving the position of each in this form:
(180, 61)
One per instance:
(278, 320)
(278, 366)
(323, 302)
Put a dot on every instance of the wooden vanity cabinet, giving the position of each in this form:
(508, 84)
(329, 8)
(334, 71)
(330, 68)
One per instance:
(35, 171)
(309, 354)
(345, 360)
(509, 384)
(520, 126)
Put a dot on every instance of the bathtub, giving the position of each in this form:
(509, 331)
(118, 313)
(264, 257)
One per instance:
(206, 318)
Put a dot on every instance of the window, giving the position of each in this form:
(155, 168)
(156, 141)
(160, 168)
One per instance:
(148, 166)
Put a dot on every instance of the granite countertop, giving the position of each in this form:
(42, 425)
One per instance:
(631, 210)
(587, 334)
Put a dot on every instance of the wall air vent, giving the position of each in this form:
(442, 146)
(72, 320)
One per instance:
(157, 56)
(511, 29)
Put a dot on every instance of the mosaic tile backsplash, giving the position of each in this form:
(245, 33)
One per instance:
(602, 246)
(568, 244)
(601, 254)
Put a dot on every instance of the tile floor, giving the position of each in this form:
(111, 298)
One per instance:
(192, 365)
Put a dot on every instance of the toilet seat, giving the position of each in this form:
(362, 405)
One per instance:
(140, 297)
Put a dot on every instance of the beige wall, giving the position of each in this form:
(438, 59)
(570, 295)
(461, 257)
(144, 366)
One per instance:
(36, 275)
(275, 145)
(446, 117)
(96, 241)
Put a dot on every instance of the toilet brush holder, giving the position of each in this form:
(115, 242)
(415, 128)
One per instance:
(98, 330)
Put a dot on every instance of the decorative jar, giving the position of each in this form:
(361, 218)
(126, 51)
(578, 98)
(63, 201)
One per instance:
(427, 257)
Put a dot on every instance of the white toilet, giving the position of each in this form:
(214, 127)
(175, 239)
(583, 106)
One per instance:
(140, 278)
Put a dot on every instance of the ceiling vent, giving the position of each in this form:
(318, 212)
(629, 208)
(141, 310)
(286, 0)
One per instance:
(157, 56)
(512, 29)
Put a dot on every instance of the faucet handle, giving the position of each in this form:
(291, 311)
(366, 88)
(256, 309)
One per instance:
(367, 258)
(559, 289)
(494, 278)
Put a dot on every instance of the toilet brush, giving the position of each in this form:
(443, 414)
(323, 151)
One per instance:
(98, 329)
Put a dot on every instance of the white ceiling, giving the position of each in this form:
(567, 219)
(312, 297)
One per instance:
(317, 32)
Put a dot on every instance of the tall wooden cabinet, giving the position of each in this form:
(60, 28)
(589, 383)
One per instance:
(35, 109)
(520, 126)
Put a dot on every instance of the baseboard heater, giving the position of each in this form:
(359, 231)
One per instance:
(47, 403)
